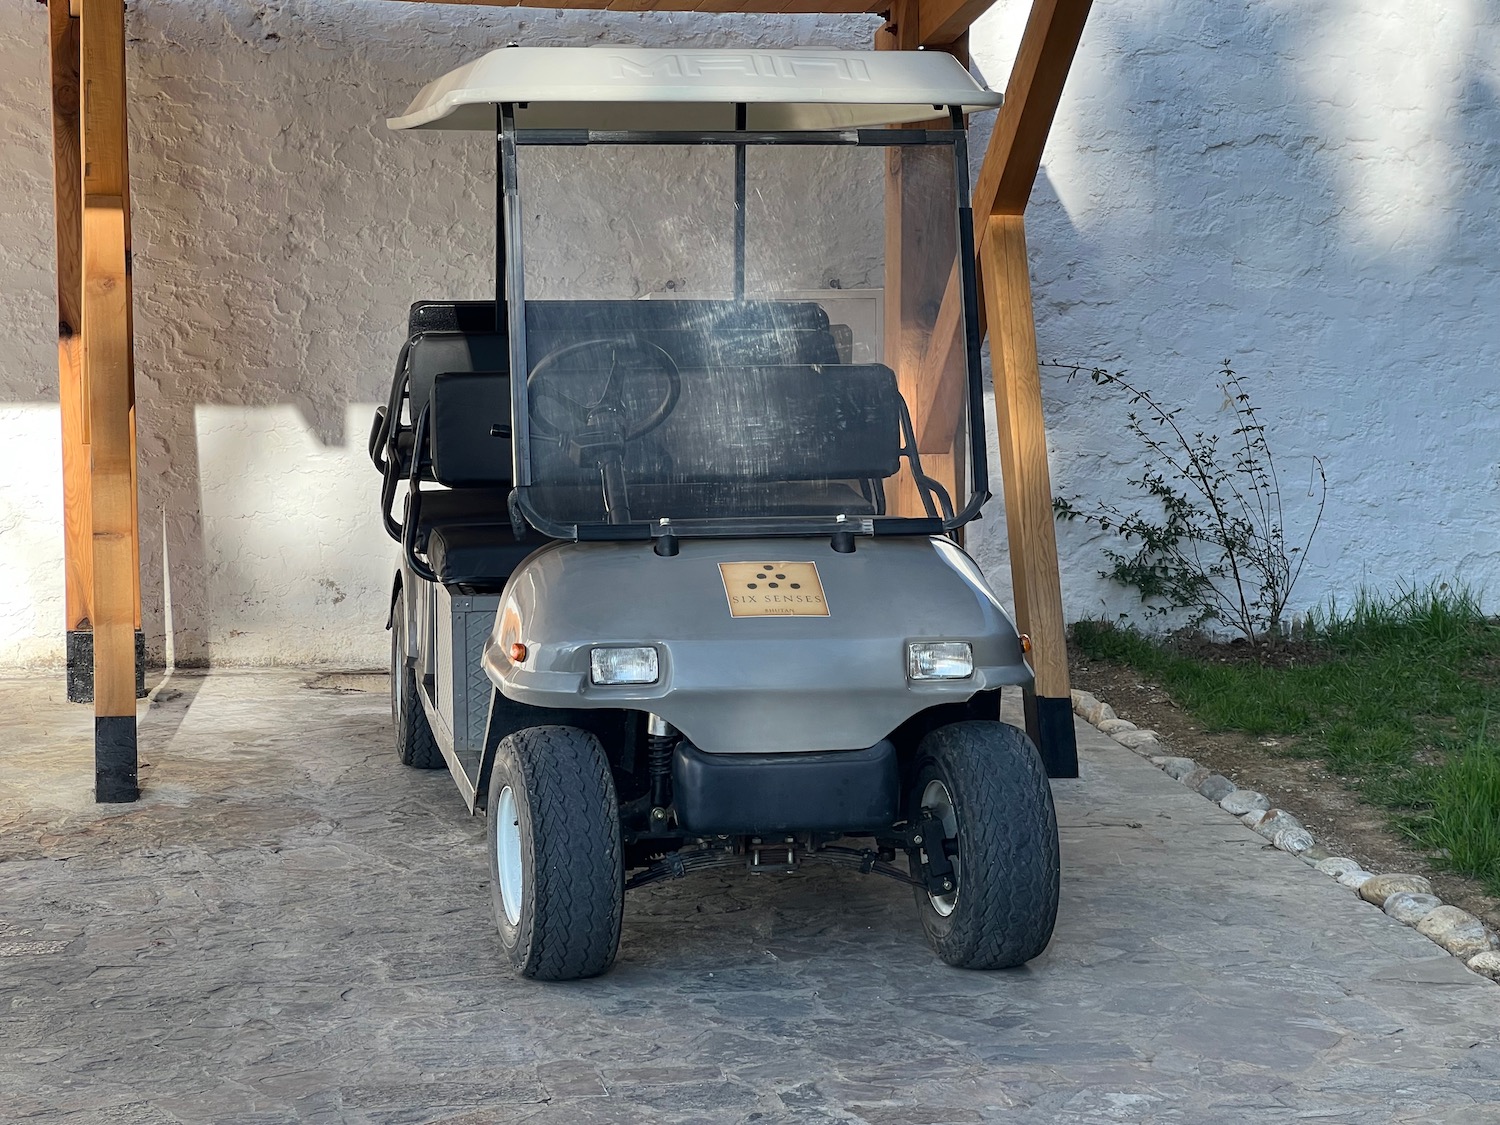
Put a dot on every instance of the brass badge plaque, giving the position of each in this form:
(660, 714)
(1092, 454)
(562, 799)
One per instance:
(773, 589)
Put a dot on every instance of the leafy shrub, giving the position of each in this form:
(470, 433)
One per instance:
(1212, 542)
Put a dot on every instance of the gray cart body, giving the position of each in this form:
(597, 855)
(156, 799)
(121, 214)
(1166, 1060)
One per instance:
(731, 685)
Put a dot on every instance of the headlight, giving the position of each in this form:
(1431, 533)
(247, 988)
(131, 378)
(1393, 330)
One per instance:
(939, 660)
(623, 665)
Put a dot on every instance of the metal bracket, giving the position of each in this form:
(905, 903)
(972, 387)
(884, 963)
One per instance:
(934, 852)
(782, 853)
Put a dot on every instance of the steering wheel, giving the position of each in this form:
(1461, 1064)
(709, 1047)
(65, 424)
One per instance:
(609, 409)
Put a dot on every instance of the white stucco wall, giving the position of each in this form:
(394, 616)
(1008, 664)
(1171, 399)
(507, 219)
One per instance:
(1306, 188)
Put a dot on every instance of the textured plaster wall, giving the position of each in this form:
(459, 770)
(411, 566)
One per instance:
(279, 233)
(1307, 188)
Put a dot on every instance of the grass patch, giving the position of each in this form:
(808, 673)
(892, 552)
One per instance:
(1395, 694)
(1464, 817)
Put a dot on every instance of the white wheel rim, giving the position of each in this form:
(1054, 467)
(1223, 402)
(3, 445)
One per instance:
(937, 800)
(508, 855)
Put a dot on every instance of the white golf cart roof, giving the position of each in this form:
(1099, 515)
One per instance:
(692, 89)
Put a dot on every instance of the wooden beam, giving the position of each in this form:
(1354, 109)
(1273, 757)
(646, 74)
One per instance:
(1014, 154)
(1027, 482)
(944, 22)
(830, 7)
(67, 200)
(111, 396)
(1011, 162)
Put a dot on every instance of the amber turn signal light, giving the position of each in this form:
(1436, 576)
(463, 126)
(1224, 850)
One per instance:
(1025, 643)
(517, 652)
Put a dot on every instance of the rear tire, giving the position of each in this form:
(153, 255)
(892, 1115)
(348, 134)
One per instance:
(415, 743)
(987, 784)
(556, 874)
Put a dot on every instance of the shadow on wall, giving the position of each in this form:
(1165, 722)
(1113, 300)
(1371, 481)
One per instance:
(279, 235)
(1307, 189)
(280, 231)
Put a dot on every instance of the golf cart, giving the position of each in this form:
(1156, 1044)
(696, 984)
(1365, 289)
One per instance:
(679, 512)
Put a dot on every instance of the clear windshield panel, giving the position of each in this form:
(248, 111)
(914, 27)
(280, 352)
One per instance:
(807, 369)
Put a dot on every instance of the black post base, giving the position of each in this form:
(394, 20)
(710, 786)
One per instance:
(1049, 722)
(81, 665)
(115, 760)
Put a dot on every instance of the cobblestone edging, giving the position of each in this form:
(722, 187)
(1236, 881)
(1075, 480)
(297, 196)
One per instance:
(1406, 898)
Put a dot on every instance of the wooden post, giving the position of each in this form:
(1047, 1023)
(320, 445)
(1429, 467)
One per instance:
(1028, 490)
(110, 395)
(1001, 192)
(1014, 156)
(67, 186)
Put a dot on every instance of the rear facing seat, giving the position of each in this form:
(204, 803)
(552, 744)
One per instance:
(461, 507)
(478, 557)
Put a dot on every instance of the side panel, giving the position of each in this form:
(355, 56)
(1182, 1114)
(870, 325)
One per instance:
(460, 688)
(473, 618)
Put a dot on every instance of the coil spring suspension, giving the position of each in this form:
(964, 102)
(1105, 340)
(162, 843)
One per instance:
(659, 764)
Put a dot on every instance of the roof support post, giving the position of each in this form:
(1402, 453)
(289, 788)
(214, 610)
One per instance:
(1028, 490)
(108, 378)
(924, 344)
(1001, 192)
(67, 198)
(1014, 156)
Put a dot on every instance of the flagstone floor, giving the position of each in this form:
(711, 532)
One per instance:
(291, 926)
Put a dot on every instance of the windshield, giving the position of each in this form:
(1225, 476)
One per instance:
(693, 361)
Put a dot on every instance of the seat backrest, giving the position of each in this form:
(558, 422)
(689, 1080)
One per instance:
(451, 316)
(767, 424)
(433, 353)
(466, 408)
(759, 425)
(746, 342)
(693, 333)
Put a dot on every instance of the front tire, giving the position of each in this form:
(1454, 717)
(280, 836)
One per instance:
(416, 745)
(985, 783)
(556, 874)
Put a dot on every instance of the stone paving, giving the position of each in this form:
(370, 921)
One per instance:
(291, 926)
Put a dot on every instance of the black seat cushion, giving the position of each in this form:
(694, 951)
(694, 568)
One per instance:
(478, 556)
(461, 507)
